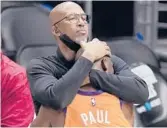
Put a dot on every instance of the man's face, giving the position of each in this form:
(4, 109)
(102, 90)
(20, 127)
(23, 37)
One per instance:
(74, 24)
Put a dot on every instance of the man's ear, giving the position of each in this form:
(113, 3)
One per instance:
(55, 31)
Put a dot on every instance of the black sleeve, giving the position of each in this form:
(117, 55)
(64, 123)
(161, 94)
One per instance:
(123, 83)
(53, 92)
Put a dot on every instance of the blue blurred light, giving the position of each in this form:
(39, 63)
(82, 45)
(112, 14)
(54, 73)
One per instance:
(148, 106)
(47, 7)
(139, 36)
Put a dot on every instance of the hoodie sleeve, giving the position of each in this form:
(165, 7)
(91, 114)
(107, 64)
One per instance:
(123, 83)
(51, 91)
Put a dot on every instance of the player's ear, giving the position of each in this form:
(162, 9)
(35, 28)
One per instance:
(104, 64)
(107, 65)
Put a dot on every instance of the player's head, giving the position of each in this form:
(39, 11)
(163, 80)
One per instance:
(103, 64)
(70, 19)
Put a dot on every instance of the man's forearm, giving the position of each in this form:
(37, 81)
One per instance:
(68, 86)
(127, 87)
(57, 93)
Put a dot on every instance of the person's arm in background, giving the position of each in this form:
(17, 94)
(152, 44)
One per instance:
(123, 83)
(16, 100)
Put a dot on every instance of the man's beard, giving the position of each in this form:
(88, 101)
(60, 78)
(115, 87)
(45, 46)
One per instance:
(74, 45)
(79, 40)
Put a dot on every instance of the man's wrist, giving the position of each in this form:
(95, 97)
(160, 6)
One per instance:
(88, 56)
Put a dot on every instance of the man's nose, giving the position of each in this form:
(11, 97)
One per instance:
(81, 22)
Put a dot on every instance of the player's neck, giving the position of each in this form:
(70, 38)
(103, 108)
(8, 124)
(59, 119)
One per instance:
(87, 87)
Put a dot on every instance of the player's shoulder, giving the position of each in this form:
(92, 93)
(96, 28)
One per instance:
(9, 67)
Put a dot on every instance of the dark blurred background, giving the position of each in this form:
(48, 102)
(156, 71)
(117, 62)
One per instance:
(110, 18)
(115, 18)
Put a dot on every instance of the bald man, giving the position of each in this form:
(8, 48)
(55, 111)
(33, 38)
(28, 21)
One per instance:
(55, 80)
